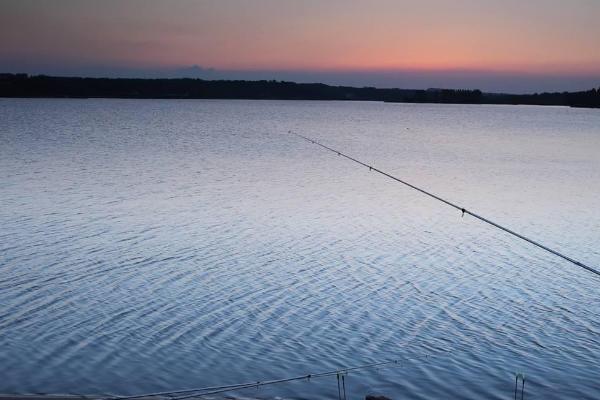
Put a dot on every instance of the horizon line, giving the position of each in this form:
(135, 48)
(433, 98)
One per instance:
(30, 75)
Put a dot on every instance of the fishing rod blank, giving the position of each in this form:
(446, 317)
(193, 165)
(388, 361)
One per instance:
(453, 205)
(199, 392)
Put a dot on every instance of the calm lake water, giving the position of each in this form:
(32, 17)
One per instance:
(154, 245)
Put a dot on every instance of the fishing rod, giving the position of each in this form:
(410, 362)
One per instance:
(455, 206)
(199, 392)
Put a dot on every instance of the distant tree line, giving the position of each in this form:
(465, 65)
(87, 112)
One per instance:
(22, 85)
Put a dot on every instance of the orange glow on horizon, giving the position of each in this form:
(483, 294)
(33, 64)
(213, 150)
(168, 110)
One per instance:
(537, 36)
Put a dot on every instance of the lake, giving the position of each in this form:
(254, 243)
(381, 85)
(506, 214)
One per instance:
(150, 245)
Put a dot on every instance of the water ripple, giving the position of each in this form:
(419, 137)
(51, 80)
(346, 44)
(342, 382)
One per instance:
(155, 245)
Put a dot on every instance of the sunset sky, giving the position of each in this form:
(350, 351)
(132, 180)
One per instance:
(491, 44)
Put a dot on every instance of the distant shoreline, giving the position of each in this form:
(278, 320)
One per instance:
(41, 86)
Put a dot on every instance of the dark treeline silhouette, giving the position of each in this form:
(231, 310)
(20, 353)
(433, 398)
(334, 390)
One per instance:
(22, 85)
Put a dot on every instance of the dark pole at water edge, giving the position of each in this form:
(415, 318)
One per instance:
(522, 376)
(463, 210)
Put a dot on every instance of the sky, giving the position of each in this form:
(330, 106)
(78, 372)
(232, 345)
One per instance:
(494, 45)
